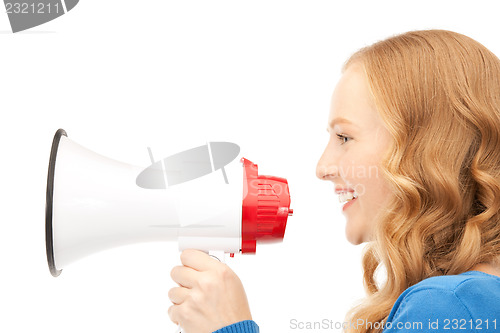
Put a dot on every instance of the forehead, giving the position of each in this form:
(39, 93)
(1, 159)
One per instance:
(352, 104)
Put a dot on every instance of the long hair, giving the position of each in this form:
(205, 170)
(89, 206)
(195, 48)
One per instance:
(438, 93)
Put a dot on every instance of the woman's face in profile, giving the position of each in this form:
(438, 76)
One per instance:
(358, 139)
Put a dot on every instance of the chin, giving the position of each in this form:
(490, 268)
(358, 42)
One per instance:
(355, 237)
(356, 242)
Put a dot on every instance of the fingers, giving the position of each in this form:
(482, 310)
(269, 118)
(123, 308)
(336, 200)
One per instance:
(178, 295)
(173, 313)
(198, 260)
(184, 276)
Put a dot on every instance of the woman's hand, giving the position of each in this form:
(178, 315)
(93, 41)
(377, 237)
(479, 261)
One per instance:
(210, 295)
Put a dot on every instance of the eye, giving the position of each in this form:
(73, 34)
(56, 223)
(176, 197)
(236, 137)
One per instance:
(342, 138)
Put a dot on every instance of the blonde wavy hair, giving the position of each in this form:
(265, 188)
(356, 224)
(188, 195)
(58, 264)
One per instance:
(438, 93)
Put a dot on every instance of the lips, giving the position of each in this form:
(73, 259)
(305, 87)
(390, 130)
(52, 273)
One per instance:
(347, 196)
(339, 189)
(348, 204)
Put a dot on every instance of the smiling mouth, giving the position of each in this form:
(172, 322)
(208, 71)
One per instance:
(347, 196)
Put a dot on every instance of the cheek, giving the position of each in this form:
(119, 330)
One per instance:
(361, 170)
(368, 178)
(349, 168)
(375, 186)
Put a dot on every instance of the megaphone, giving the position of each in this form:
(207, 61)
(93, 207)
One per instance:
(204, 198)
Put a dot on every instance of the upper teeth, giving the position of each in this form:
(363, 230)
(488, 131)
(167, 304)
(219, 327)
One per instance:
(347, 196)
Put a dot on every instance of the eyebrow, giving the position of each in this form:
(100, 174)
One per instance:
(339, 120)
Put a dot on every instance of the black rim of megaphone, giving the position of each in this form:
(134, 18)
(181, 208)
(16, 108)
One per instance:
(49, 242)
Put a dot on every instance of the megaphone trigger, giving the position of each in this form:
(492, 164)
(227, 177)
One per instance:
(219, 255)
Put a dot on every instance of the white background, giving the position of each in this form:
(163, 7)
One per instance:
(121, 75)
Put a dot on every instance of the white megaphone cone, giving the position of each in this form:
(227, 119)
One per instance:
(96, 203)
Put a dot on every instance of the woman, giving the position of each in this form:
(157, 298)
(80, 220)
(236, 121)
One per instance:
(415, 143)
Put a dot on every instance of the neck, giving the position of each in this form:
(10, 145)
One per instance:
(488, 268)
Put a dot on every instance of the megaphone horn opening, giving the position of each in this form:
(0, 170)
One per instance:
(49, 241)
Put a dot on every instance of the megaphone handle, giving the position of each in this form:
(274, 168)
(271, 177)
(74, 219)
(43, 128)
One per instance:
(219, 255)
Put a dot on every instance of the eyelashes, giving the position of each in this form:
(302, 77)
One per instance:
(342, 137)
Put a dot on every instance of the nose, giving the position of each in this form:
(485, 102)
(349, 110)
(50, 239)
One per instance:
(327, 168)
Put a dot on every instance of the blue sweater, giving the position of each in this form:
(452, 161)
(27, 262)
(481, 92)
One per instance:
(468, 302)
(245, 326)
